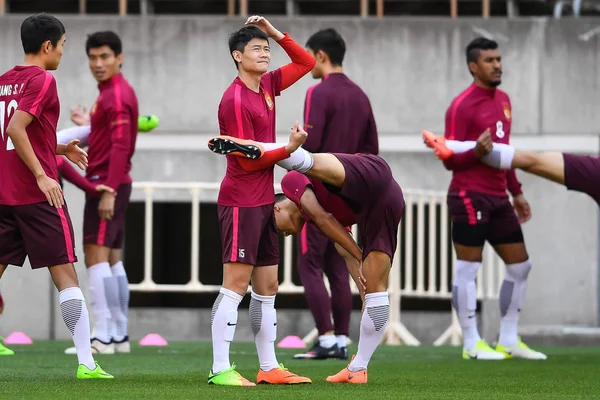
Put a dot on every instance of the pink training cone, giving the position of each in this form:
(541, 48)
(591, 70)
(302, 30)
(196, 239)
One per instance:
(18, 338)
(153, 339)
(292, 342)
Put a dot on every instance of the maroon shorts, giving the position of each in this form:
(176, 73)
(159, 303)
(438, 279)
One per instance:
(477, 217)
(371, 191)
(100, 231)
(582, 174)
(249, 235)
(38, 230)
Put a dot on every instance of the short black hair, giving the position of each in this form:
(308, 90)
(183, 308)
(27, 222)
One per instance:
(279, 197)
(474, 48)
(104, 38)
(240, 38)
(37, 29)
(330, 42)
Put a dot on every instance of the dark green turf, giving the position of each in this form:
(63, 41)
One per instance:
(180, 370)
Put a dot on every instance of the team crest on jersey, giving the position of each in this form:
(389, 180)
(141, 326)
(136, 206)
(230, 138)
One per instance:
(269, 100)
(507, 112)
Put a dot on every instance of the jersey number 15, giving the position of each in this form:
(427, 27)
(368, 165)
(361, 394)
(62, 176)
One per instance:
(5, 114)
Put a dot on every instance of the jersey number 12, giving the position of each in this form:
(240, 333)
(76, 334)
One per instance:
(5, 114)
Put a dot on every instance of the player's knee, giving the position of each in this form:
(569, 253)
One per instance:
(95, 254)
(466, 271)
(518, 271)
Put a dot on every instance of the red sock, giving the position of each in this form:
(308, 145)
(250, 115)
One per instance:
(268, 159)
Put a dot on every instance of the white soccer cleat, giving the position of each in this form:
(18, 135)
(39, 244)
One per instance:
(521, 350)
(482, 351)
(123, 346)
(97, 348)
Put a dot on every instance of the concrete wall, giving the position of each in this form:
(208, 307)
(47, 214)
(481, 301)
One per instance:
(411, 69)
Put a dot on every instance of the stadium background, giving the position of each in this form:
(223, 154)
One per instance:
(411, 68)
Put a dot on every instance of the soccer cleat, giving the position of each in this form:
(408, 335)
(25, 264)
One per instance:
(318, 352)
(438, 144)
(228, 377)
(98, 347)
(84, 372)
(5, 351)
(146, 123)
(347, 376)
(482, 351)
(280, 376)
(521, 350)
(228, 145)
(122, 346)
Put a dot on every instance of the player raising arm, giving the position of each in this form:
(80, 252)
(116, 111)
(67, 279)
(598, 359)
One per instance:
(250, 242)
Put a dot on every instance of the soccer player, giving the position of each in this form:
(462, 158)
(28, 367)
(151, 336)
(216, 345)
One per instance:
(481, 210)
(577, 172)
(249, 238)
(343, 189)
(339, 119)
(111, 144)
(34, 219)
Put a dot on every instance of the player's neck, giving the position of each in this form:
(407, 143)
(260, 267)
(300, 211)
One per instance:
(484, 86)
(333, 69)
(33, 59)
(250, 79)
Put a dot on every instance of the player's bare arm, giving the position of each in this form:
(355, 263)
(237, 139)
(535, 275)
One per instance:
(17, 132)
(74, 153)
(354, 268)
(329, 225)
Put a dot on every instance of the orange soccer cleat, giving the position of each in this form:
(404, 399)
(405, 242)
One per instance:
(347, 376)
(438, 144)
(280, 376)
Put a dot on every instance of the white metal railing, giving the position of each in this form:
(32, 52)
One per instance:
(434, 287)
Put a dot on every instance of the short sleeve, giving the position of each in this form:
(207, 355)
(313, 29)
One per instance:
(39, 92)
(294, 185)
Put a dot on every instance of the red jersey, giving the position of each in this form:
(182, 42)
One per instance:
(33, 90)
(469, 115)
(246, 114)
(114, 128)
(294, 185)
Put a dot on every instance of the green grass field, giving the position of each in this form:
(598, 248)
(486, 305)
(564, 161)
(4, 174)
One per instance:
(179, 371)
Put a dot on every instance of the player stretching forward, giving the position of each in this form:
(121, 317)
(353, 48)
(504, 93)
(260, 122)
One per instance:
(246, 217)
(34, 219)
(114, 123)
(577, 172)
(344, 189)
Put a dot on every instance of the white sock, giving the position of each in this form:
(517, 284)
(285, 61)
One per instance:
(99, 276)
(327, 341)
(512, 295)
(77, 319)
(263, 320)
(223, 321)
(118, 271)
(464, 299)
(64, 136)
(372, 327)
(342, 341)
(500, 157)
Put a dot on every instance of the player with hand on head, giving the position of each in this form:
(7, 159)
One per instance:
(34, 219)
(343, 189)
(245, 203)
